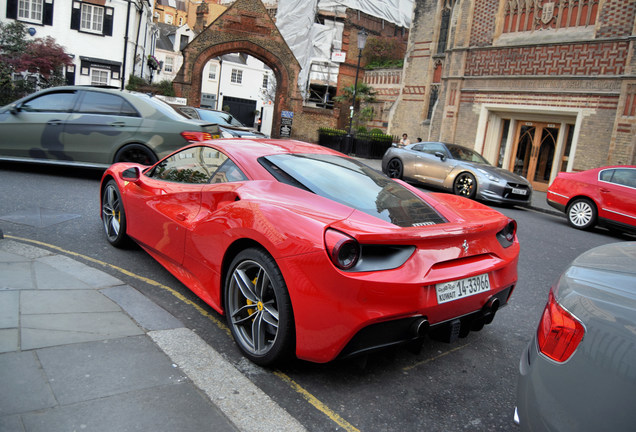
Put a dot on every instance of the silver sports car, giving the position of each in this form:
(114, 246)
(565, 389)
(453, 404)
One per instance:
(456, 169)
(578, 372)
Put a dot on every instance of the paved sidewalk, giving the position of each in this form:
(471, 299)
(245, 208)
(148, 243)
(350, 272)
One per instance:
(82, 351)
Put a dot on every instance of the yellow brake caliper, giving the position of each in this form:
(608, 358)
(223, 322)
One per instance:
(249, 302)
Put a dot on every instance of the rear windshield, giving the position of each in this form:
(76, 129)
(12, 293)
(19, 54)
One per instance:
(353, 184)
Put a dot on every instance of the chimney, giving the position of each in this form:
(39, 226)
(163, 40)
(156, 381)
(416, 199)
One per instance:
(202, 17)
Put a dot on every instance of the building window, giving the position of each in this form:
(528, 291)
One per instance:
(212, 73)
(92, 18)
(630, 102)
(30, 10)
(443, 31)
(168, 19)
(180, 21)
(237, 76)
(168, 64)
(99, 77)
(431, 101)
(265, 81)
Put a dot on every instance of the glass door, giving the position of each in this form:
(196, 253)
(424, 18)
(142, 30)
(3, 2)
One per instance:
(534, 150)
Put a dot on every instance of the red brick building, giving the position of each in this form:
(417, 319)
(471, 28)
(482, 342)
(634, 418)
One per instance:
(537, 86)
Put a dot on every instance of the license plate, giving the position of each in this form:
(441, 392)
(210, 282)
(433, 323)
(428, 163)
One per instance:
(455, 290)
(519, 191)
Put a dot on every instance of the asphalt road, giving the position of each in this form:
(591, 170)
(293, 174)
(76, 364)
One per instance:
(466, 386)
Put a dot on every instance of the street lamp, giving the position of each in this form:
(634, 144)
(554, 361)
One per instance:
(362, 41)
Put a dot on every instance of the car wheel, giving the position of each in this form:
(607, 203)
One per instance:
(581, 213)
(465, 185)
(113, 215)
(395, 168)
(258, 308)
(136, 153)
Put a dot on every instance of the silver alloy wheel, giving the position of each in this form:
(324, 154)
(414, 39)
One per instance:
(394, 168)
(581, 214)
(465, 185)
(253, 308)
(112, 212)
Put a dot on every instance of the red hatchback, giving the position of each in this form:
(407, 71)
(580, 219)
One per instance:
(601, 196)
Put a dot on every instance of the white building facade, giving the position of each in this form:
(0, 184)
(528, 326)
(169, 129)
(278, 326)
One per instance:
(108, 40)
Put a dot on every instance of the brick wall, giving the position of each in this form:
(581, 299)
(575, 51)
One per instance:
(587, 59)
(617, 19)
(485, 15)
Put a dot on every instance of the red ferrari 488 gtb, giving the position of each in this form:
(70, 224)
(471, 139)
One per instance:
(311, 253)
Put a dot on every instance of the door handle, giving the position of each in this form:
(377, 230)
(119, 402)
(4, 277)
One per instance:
(181, 216)
(118, 124)
(605, 190)
(54, 122)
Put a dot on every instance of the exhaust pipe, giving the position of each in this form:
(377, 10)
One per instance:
(419, 328)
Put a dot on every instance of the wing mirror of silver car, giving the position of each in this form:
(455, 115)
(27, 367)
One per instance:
(440, 155)
(131, 174)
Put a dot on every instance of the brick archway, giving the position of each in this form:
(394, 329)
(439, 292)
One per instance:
(247, 28)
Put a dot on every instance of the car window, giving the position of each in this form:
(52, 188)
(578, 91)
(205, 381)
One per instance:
(625, 177)
(50, 102)
(106, 103)
(462, 153)
(198, 165)
(161, 106)
(364, 188)
(430, 148)
(190, 112)
(606, 175)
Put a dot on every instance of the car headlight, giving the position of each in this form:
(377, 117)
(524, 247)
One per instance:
(490, 177)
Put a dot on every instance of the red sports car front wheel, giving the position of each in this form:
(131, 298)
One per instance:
(258, 308)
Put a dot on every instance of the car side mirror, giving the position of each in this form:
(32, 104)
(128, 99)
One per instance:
(441, 156)
(131, 174)
(15, 109)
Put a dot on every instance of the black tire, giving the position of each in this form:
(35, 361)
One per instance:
(465, 185)
(113, 216)
(395, 168)
(136, 153)
(258, 308)
(581, 213)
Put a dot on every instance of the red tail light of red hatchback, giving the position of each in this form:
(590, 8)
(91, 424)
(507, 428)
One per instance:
(559, 332)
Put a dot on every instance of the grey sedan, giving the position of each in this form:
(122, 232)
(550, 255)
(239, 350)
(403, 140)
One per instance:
(95, 127)
(579, 371)
(456, 169)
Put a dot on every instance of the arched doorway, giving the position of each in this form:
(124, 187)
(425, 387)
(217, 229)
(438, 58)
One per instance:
(245, 27)
(533, 152)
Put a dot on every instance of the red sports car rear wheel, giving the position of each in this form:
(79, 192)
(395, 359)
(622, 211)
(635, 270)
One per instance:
(258, 308)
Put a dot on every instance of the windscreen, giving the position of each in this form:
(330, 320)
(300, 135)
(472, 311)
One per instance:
(353, 184)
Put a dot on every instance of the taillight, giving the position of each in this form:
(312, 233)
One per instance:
(194, 136)
(559, 332)
(507, 235)
(343, 250)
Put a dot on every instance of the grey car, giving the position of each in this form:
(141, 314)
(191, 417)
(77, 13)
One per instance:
(578, 372)
(91, 126)
(229, 126)
(456, 169)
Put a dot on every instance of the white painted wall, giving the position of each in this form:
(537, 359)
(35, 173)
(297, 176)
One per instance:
(110, 48)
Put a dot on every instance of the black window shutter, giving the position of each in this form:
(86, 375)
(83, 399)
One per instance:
(47, 18)
(76, 15)
(12, 9)
(108, 21)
